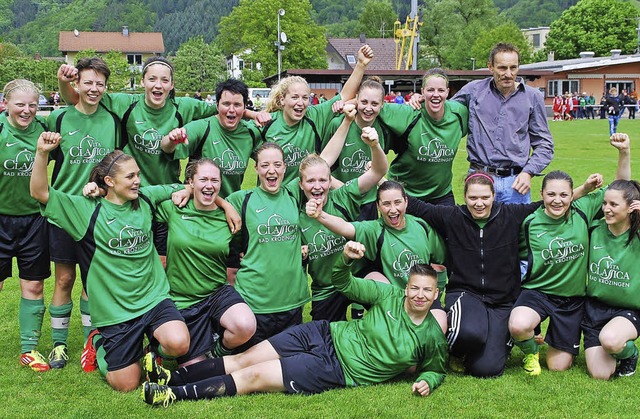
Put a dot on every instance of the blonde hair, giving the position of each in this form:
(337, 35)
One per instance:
(279, 91)
(19, 84)
(312, 159)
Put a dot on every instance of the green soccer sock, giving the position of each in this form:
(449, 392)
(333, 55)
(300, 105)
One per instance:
(60, 317)
(528, 346)
(100, 354)
(86, 318)
(219, 350)
(30, 315)
(628, 351)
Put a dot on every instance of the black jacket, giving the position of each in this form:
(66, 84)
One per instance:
(484, 260)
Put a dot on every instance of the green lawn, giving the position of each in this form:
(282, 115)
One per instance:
(581, 148)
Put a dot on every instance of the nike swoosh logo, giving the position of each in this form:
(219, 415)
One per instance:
(576, 346)
(261, 209)
(393, 244)
(291, 384)
(111, 221)
(74, 132)
(349, 144)
(216, 142)
(598, 247)
(541, 234)
(390, 315)
(11, 144)
(139, 122)
(305, 229)
(186, 217)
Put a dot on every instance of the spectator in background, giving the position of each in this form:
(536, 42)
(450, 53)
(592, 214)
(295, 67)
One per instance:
(398, 99)
(197, 95)
(582, 106)
(615, 107)
(603, 106)
(390, 98)
(591, 103)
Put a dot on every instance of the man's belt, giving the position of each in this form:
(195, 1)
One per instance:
(498, 171)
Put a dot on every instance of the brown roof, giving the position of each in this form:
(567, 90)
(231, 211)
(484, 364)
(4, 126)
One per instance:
(384, 50)
(139, 42)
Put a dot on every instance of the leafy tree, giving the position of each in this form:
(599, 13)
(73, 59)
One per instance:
(199, 66)
(41, 72)
(376, 17)
(253, 78)
(451, 26)
(594, 25)
(9, 50)
(251, 30)
(507, 32)
(533, 13)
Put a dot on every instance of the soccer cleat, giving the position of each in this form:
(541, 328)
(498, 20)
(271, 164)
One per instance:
(155, 372)
(627, 367)
(88, 358)
(35, 360)
(58, 357)
(531, 364)
(456, 364)
(156, 394)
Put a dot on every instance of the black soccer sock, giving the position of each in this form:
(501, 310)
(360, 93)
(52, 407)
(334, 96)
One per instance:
(210, 367)
(206, 389)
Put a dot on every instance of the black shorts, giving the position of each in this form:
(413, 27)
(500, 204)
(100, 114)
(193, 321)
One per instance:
(565, 315)
(332, 309)
(62, 248)
(123, 341)
(308, 358)
(203, 319)
(25, 238)
(271, 324)
(160, 234)
(597, 314)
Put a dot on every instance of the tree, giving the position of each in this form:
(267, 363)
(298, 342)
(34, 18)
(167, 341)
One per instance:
(199, 66)
(377, 19)
(251, 30)
(9, 50)
(507, 32)
(449, 28)
(41, 72)
(594, 25)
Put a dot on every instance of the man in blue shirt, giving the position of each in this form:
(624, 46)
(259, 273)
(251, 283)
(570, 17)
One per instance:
(509, 134)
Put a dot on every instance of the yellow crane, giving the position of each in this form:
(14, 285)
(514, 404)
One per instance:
(400, 36)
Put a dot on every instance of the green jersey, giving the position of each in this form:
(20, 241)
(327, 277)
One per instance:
(270, 278)
(124, 275)
(355, 154)
(146, 126)
(325, 246)
(301, 139)
(86, 139)
(614, 268)
(558, 249)
(396, 251)
(197, 250)
(424, 155)
(385, 342)
(17, 152)
(231, 150)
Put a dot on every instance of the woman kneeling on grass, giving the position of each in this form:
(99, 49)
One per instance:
(319, 356)
(128, 289)
(556, 238)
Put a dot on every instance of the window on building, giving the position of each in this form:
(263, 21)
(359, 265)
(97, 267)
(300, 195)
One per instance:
(134, 59)
(351, 59)
(620, 85)
(240, 65)
(560, 87)
(536, 40)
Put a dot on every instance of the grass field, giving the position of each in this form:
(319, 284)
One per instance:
(581, 148)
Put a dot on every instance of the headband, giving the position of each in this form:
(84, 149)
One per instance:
(157, 62)
(478, 175)
(18, 86)
(112, 163)
(442, 76)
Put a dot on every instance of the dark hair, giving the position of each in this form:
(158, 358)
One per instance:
(630, 192)
(423, 269)
(192, 167)
(109, 166)
(479, 178)
(234, 86)
(374, 83)
(96, 64)
(391, 185)
(556, 175)
(265, 146)
(435, 72)
(162, 61)
(503, 47)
